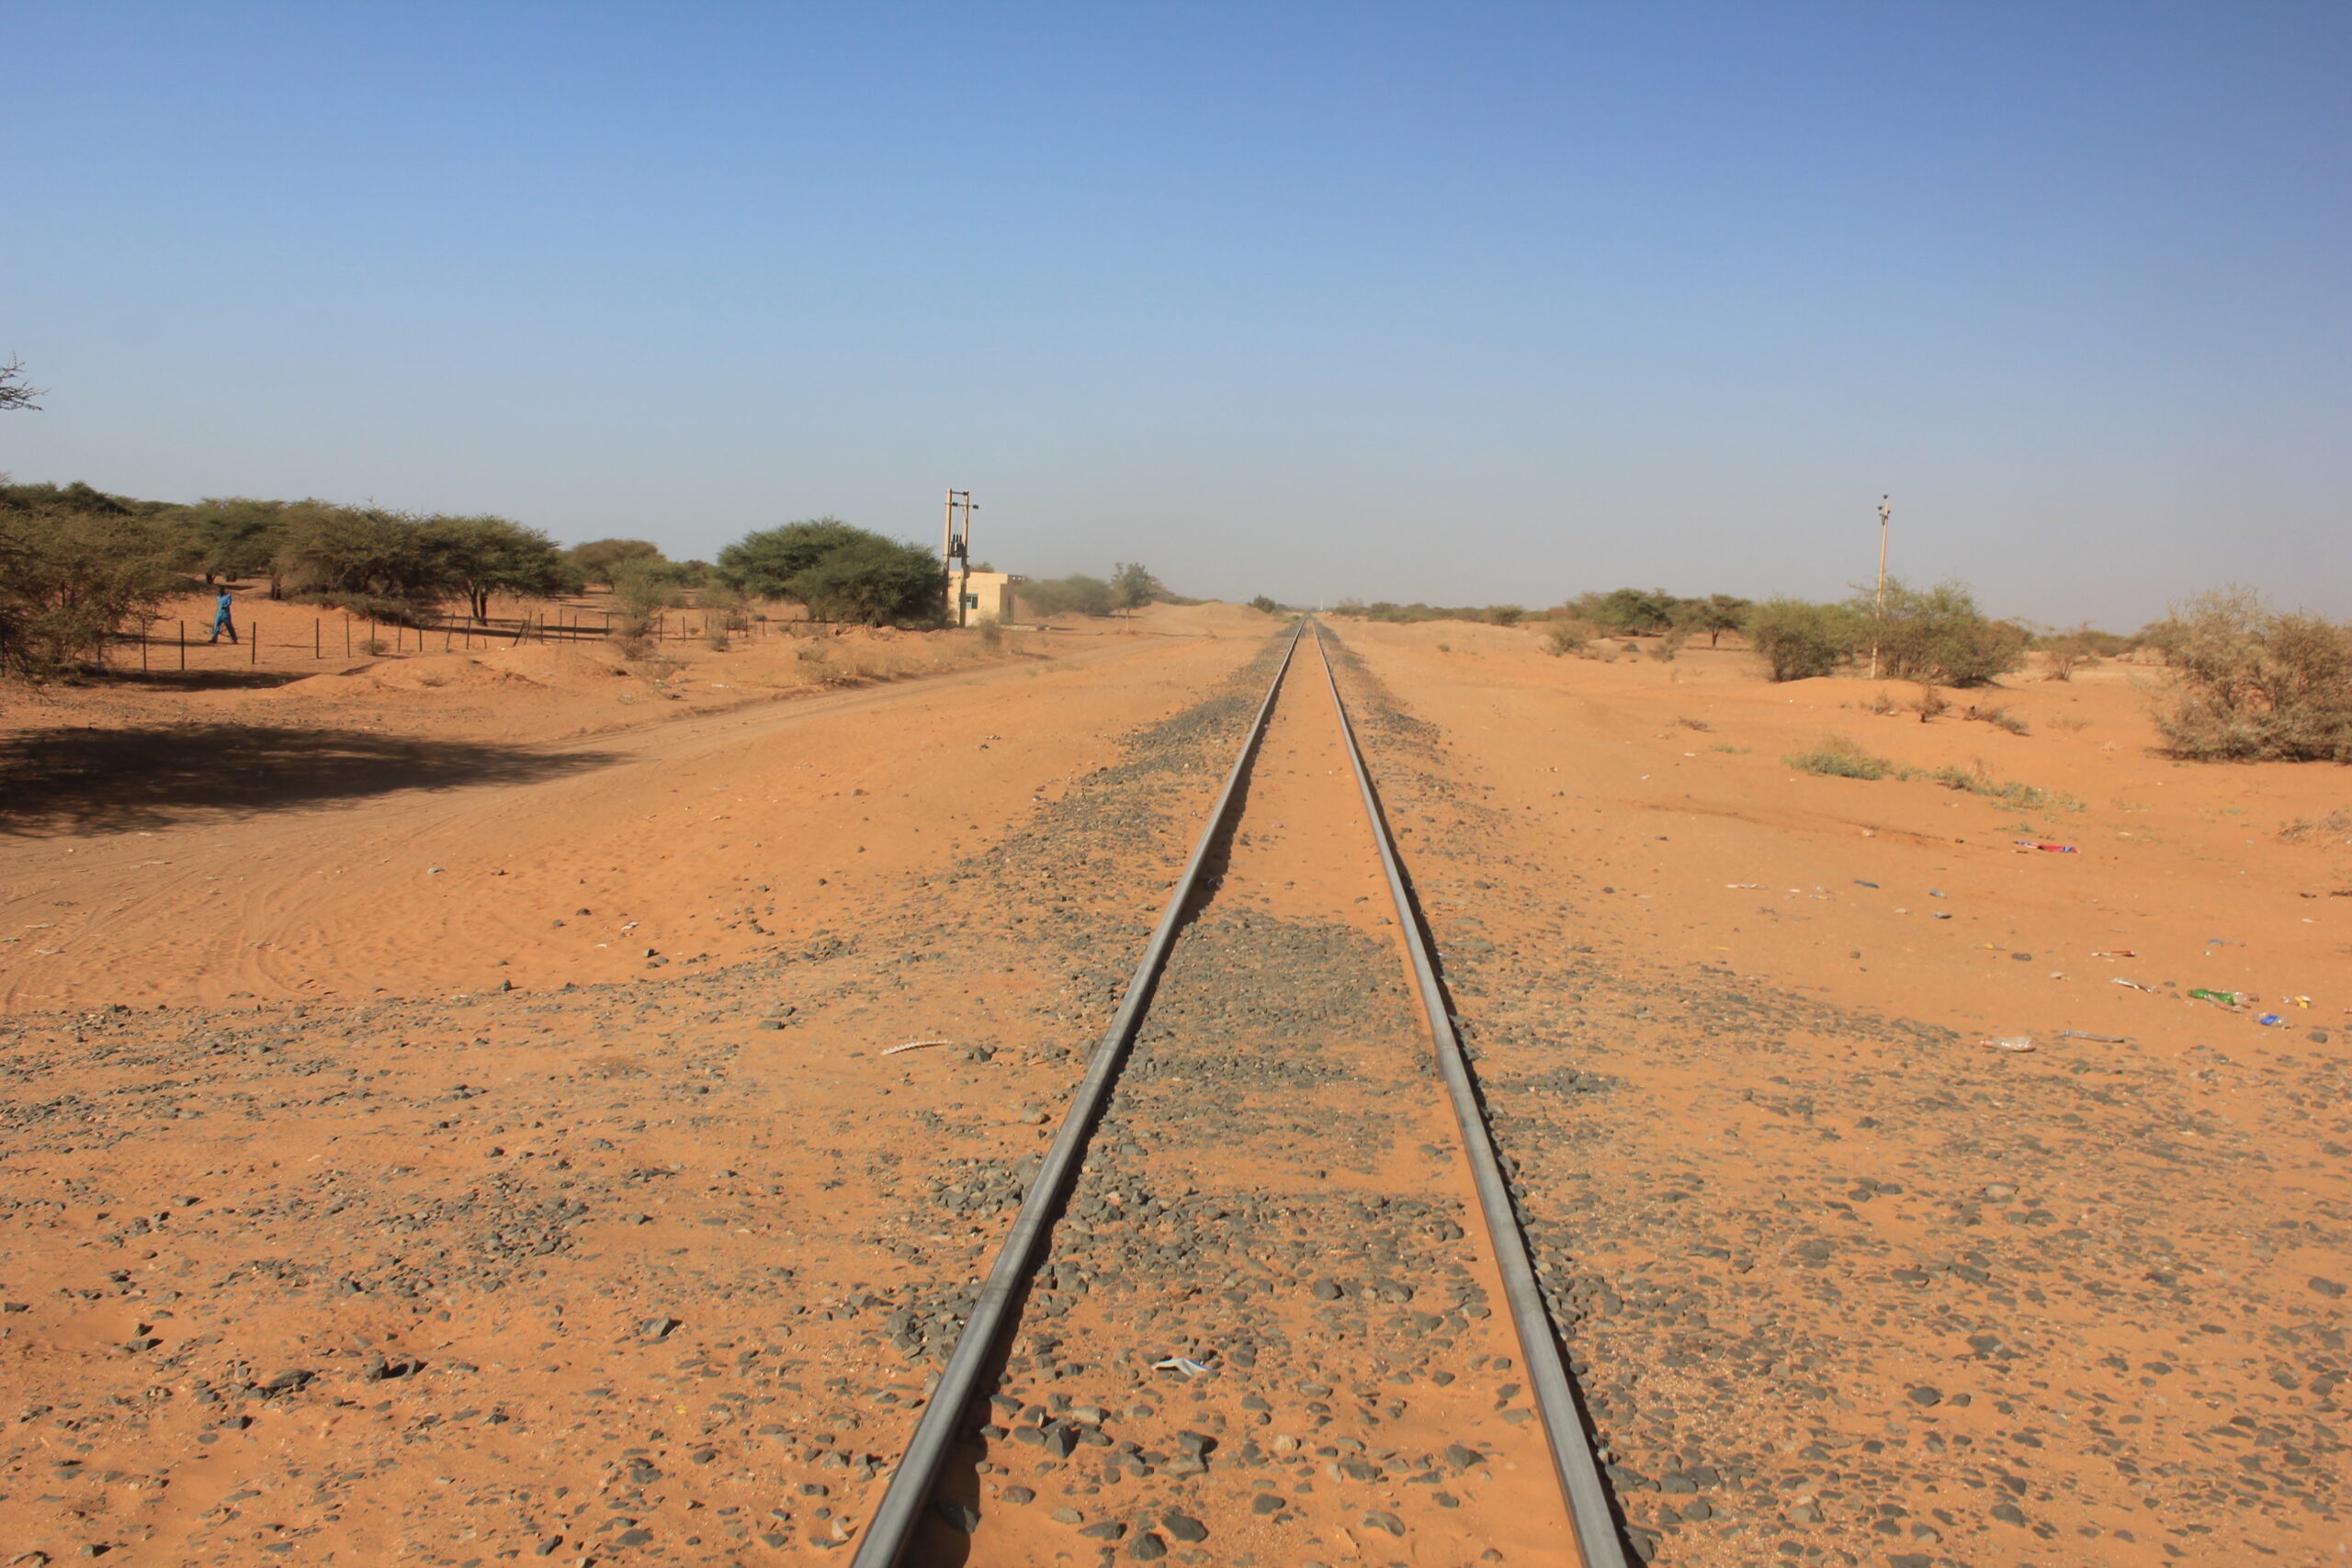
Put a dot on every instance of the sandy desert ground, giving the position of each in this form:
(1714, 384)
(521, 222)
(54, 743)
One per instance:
(445, 1118)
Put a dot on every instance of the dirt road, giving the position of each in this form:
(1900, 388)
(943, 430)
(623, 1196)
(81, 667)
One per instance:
(379, 1263)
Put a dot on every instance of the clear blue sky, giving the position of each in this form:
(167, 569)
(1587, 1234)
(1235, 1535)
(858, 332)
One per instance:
(1458, 302)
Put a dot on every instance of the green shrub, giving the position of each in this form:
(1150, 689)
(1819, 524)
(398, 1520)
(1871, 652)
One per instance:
(1564, 636)
(874, 580)
(1798, 639)
(764, 561)
(643, 589)
(596, 560)
(1270, 605)
(1631, 610)
(1505, 615)
(2252, 683)
(839, 572)
(1936, 635)
(1133, 586)
(1837, 757)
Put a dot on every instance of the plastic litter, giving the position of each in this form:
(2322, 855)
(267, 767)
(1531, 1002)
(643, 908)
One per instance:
(2119, 980)
(1860, 883)
(2116, 953)
(2103, 1039)
(2270, 1020)
(2007, 1041)
(912, 1045)
(2220, 998)
(2053, 849)
(1184, 1364)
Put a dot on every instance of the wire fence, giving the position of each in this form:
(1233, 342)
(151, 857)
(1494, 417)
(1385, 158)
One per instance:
(162, 646)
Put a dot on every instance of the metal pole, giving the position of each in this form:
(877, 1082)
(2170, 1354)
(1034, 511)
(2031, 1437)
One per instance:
(964, 561)
(1878, 612)
(183, 646)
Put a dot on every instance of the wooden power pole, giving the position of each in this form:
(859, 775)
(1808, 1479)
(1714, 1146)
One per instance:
(1878, 612)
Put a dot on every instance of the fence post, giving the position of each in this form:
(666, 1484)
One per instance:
(256, 656)
(318, 634)
(183, 646)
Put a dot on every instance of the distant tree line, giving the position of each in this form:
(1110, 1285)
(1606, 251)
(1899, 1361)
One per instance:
(78, 565)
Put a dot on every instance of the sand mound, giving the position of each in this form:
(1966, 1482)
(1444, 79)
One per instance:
(1214, 617)
(555, 666)
(561, 668)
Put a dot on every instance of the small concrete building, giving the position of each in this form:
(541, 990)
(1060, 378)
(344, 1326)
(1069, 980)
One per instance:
(988, 595)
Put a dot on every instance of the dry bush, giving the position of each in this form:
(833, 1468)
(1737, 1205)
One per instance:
(1979, 780)
(1565, 636)
(2252, 683)
(2066, 723)
(2335, 827)
(1882, 703)
(1930, 702)
(1698, 724)
(1798, 640)
(1998, 718)
(1937, 634)
(1836, 757)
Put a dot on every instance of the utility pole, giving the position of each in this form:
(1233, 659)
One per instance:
(1878, 613)
(956, 549)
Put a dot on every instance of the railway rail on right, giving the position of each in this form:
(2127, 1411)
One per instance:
(1267, 1293)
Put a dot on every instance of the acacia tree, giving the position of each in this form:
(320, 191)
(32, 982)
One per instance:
(764, 563)
(1133, 586)
(482, 555)
(14, 393)
(74, 565)
(1714, 615)
(873, 579)
(599, 558)
(236, 535)
(351, 553)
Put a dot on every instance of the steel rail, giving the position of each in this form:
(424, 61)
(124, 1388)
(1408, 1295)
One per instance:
(1592, 1525)
(887, 1534)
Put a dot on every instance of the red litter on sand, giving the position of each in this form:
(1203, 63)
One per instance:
(2053, 849)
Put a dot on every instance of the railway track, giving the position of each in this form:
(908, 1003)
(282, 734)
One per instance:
(1240, 1312)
